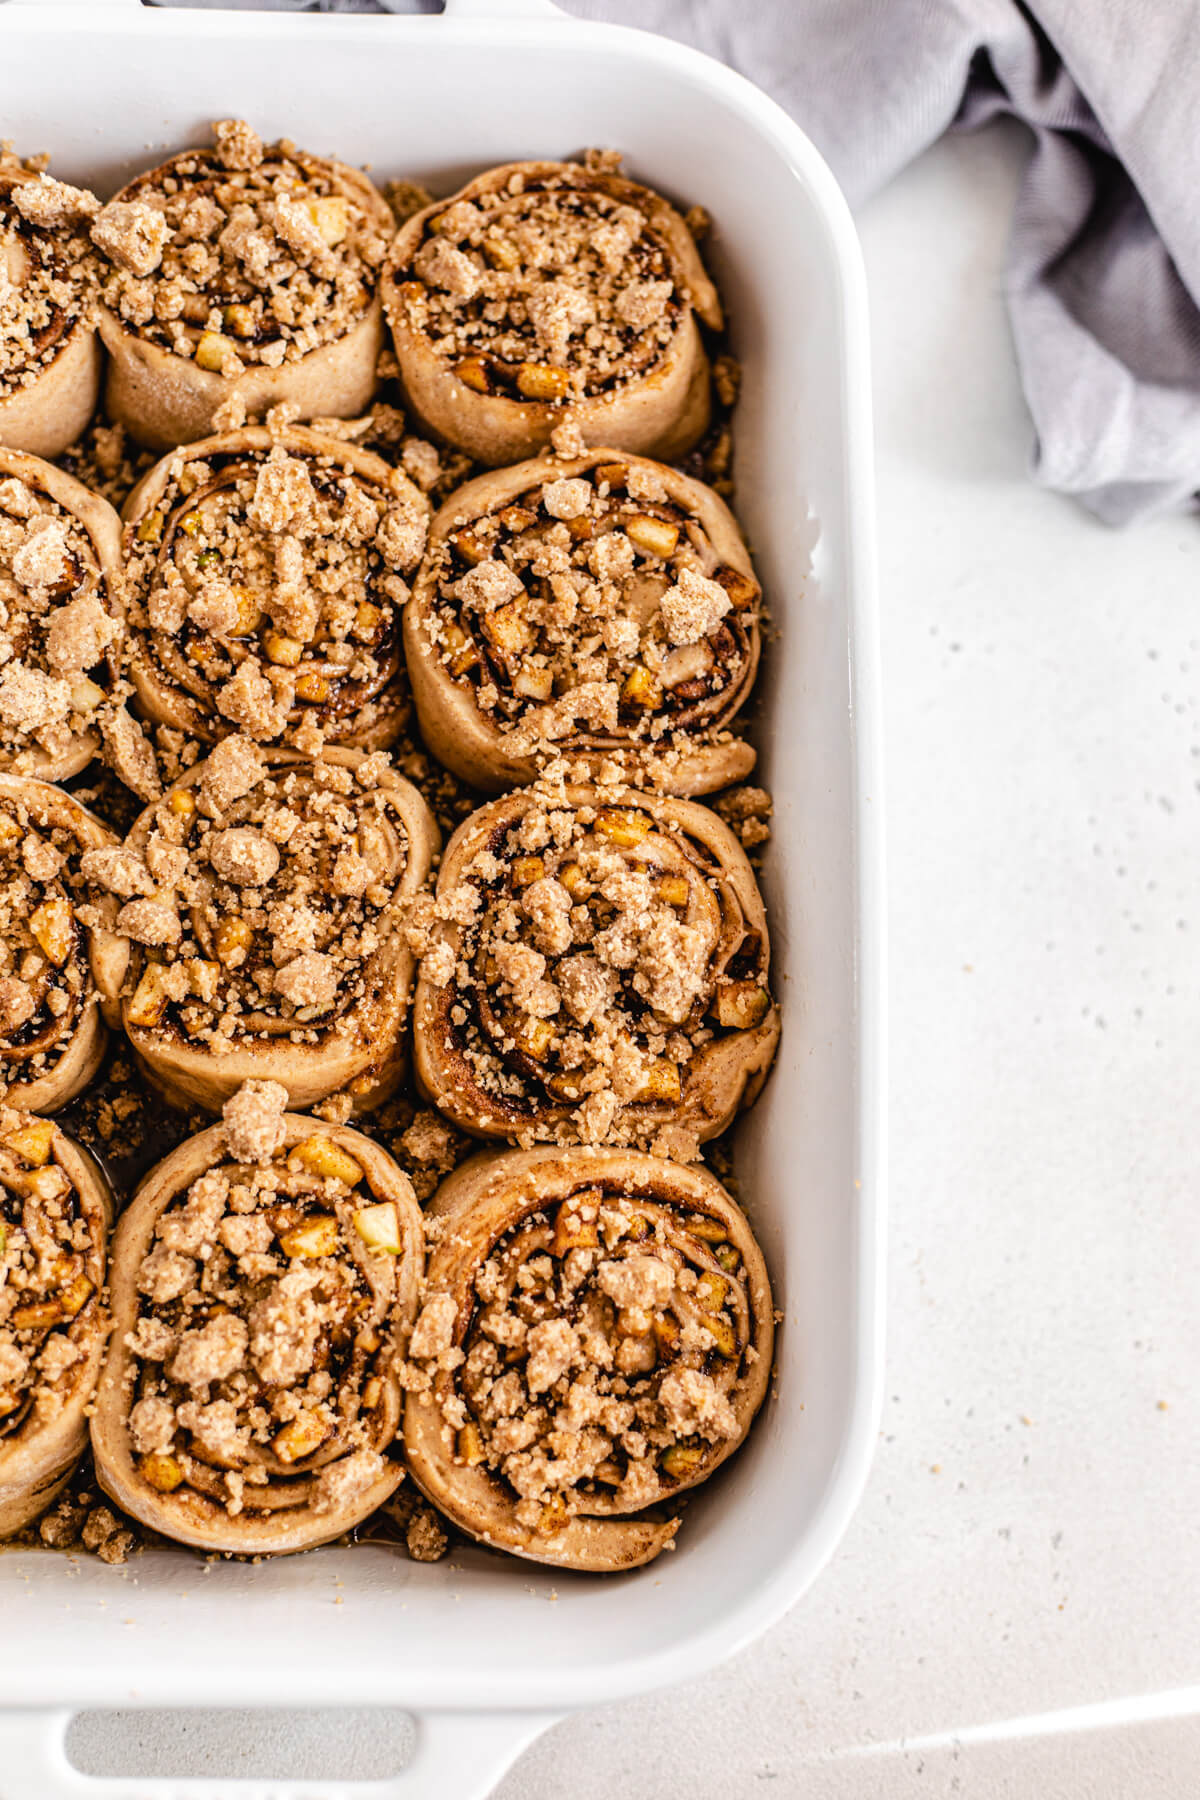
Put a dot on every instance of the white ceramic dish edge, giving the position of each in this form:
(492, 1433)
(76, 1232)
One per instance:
(51, 1660)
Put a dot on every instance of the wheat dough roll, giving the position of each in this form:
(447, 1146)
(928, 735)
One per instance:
(266, 580)
(55, 1213)
(595, 1338)
(62, 958)
(50, 353)
(598, 607)
(267, 931)
(264, 1283)
(543, 289)
(62, 593)
(240, 274)
(596, 969)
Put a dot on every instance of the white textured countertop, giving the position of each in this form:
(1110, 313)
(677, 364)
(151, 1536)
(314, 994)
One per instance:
(1028, 1539)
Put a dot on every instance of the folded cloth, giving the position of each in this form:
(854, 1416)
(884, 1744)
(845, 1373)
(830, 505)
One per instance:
(1103, 267)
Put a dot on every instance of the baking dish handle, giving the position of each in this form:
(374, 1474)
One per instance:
(502, 9)
(458, 1756)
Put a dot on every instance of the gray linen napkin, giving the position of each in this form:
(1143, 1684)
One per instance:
(1103, 268)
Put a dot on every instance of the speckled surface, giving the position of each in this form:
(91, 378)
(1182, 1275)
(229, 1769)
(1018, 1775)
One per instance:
(1027, 1542)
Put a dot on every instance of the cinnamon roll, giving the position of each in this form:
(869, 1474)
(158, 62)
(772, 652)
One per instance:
(266, 580)
(62, 617)
(595, 1337)
(543, 287)
(55, 1213)
(596, 968)
(599, 606)
(241, 271)
(268, 896)
(264, 1284)
(49, 351)
(61, 959)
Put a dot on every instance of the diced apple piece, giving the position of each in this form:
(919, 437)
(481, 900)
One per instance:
(316, 1236)
(661, 1082)
(149, 1004)
(32, 1142)
(379, 1227)
(300, 1437)
(681, 1461)
(622, 826)
(52, 926)
(657, 537)
(469, 1445)
(76, 1295)
(321, 1156)
(537, 381)
(741, 1005)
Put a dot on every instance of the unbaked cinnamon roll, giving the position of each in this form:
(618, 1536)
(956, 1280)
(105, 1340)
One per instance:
(266, 580)
(595, 968)
(61, 959)
(601, 606)
(62, 617)
(542, 287)
(55, 1213)
(595, 1338)
(266, 899)
(49, 351)
(242, 270)
(264, 1283)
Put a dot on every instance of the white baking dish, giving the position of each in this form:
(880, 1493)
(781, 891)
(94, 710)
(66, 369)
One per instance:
(485, 1650)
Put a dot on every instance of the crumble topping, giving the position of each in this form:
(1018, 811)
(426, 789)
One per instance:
(600, 1365)
(262, 1345)
(251, 935)
(78, 1522)
(589, 955)
(592, 606)
(48, 269)
(265, 590)
(51, 1273)
(552, 288)
(241, 253)
(56, 630)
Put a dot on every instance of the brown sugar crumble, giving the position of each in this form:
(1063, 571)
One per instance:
(249, 254)
(243, 253)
